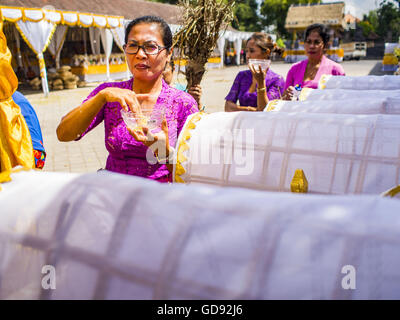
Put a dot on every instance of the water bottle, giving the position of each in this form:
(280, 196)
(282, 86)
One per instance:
(296, 92)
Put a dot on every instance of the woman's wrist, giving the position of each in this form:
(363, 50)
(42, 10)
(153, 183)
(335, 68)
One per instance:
(261, 89)
(261, 83)
(168, 157)
(101, 97)
(261, 108)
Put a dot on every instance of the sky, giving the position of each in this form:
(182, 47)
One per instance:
(358, 7)
(355, 7)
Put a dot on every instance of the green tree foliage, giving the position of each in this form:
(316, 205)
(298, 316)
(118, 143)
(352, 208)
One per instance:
(274, 13)
(366, 27)
(373, 20)
(389, 20)
(246, 15)
(370, 23)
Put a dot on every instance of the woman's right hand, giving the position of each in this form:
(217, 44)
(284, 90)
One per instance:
(258, 74)
(288, 94)
(128, 99)
(78, 120)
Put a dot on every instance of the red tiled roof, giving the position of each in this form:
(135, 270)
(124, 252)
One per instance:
(350, 18)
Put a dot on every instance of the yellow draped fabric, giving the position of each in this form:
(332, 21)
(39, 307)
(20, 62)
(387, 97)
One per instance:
(15, 139)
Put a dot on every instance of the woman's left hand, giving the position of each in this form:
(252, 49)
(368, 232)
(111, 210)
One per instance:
(251, 109)
(158, 143)
(258, 74)
(196, 92)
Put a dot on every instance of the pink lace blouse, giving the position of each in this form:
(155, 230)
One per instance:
(296, 73)
(128, 156)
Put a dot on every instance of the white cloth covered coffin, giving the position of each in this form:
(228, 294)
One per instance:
(344, 94)
(386, 82)
(352, 106)
(103, 236)
(339, 154)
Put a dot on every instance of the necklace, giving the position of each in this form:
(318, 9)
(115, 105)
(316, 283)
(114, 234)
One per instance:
(310, 73)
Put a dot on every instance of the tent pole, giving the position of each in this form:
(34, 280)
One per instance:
(18, 44)
(43, 74)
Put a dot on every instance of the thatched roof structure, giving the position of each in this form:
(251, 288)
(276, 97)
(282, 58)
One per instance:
(299, 17)
(129, 9)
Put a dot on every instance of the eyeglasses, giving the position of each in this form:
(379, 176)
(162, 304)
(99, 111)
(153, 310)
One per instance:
(148, 48)
(316, 42)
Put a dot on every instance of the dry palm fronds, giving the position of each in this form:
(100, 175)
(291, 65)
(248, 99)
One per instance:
(196, 40)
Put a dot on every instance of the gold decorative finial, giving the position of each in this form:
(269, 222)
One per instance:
(391, 192)
(299, 182)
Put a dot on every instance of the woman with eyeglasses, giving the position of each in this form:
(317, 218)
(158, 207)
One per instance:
(148, 48)
(306, 73)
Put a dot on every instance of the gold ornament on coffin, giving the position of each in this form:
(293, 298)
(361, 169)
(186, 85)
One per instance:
(392, 192)
(299, 182)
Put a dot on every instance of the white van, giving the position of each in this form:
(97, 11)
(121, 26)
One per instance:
(354, 50)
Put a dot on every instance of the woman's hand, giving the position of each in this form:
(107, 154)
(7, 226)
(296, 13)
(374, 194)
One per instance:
(196, 93)
(74, 123)
(128, 99)
(158, 143)
(258, 74)
(231, 106)
(288, 94)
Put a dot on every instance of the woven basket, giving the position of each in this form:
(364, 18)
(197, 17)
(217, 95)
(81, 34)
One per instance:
(81, 84)
(70, 85)
(58, 82)
(58, 87)
(65, 75)
(64, 68)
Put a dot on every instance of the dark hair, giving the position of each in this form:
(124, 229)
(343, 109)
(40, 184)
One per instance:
(261, 40)
(165, 30)
(322, 31)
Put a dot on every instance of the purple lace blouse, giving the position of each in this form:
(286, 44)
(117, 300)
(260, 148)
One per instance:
(128, 156)
(274, 84)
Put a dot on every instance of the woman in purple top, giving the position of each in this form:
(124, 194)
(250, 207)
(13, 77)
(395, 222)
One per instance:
(307, 73)
(148, 42)
(254, 88)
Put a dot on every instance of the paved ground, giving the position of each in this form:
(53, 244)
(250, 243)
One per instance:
(89, 154)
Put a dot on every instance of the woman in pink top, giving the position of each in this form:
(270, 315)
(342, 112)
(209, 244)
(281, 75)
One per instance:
(307, 73)
(148, 48)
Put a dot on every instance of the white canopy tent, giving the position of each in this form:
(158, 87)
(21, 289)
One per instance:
(94, 35)
(57, 42)
(237, 38)
(18, 44)
(37, 27)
